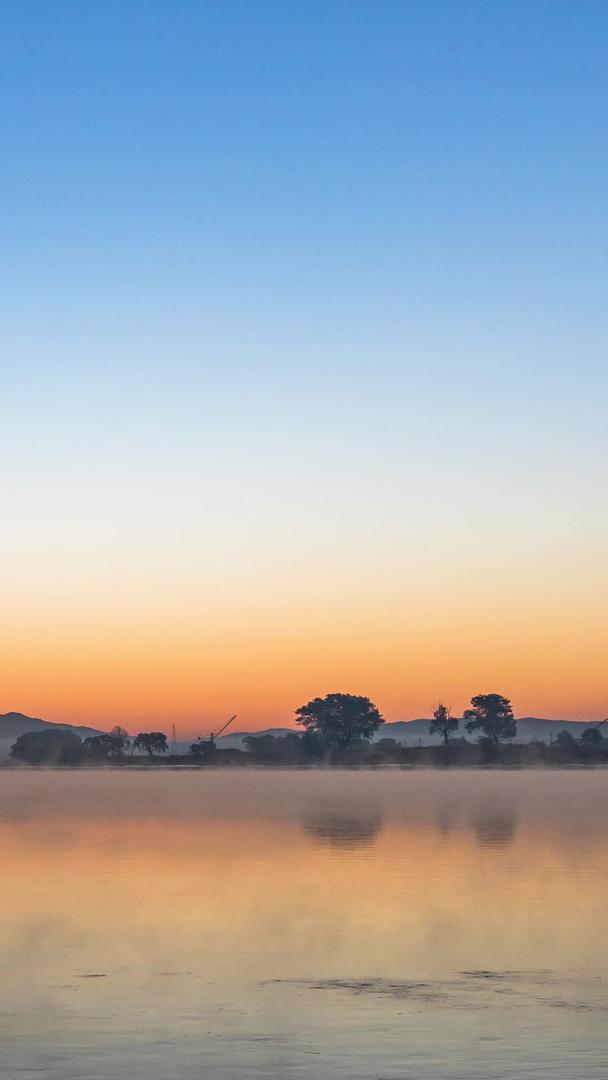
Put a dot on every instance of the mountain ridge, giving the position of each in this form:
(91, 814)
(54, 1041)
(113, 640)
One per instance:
(14, 724)
(410, 732)
(406, 732)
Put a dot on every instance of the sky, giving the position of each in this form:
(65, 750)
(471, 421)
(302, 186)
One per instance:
(303, 367)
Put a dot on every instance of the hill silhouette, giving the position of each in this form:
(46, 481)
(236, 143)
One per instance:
(14, 724)
(405, 732)
(412, 732)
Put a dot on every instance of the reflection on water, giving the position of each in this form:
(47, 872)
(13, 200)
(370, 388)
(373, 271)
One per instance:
(496, 827)
(313, 925)
(345, 829)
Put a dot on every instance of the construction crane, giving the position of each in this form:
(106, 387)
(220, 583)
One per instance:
(213, 735)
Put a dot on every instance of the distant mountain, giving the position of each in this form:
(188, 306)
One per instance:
(529, 729)
(235, 741)
(14, 724)
(406, 732)
(414, 732)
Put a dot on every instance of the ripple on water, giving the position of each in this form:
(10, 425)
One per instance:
(462, 990)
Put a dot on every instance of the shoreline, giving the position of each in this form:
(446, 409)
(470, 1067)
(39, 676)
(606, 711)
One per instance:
(535, 766)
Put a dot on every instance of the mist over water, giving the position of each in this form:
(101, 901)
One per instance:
(310, 924)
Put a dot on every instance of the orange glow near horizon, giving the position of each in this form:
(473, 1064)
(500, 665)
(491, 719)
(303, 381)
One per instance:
(163, 667)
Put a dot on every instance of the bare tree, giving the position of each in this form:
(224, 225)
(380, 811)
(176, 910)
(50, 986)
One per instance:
(443, 723)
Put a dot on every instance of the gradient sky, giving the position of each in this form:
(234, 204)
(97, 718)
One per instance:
(303, 378)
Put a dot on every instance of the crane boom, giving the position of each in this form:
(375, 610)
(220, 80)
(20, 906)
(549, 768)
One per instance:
(216, 734)
(227, 724)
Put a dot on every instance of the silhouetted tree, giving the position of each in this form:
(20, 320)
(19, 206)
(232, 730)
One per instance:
(312, 745)
(564, 740)
(48, 748)
(592, 738)
(152, 742)
(263, 747)
(120, 733)
(341, 720)
(279, 748)
(104, 746)
(443, 723)
(493, 716)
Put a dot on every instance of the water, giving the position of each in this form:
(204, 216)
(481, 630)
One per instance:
(315, 925)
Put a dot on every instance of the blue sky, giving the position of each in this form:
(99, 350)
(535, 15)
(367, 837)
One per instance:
(303, 284)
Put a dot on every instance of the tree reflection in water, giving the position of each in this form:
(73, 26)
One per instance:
(344, 828)
(496, 827)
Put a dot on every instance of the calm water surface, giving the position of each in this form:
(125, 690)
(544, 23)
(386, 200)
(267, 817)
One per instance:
(314, 925)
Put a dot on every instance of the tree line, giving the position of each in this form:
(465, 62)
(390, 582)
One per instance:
(337, 728)
(57, 747)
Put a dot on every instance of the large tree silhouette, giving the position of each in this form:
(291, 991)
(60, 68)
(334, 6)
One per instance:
(342, 721)
(443, 723)
(153, 742)
(492, 715)
(592, 737)
(48, 748)
(105, 746)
